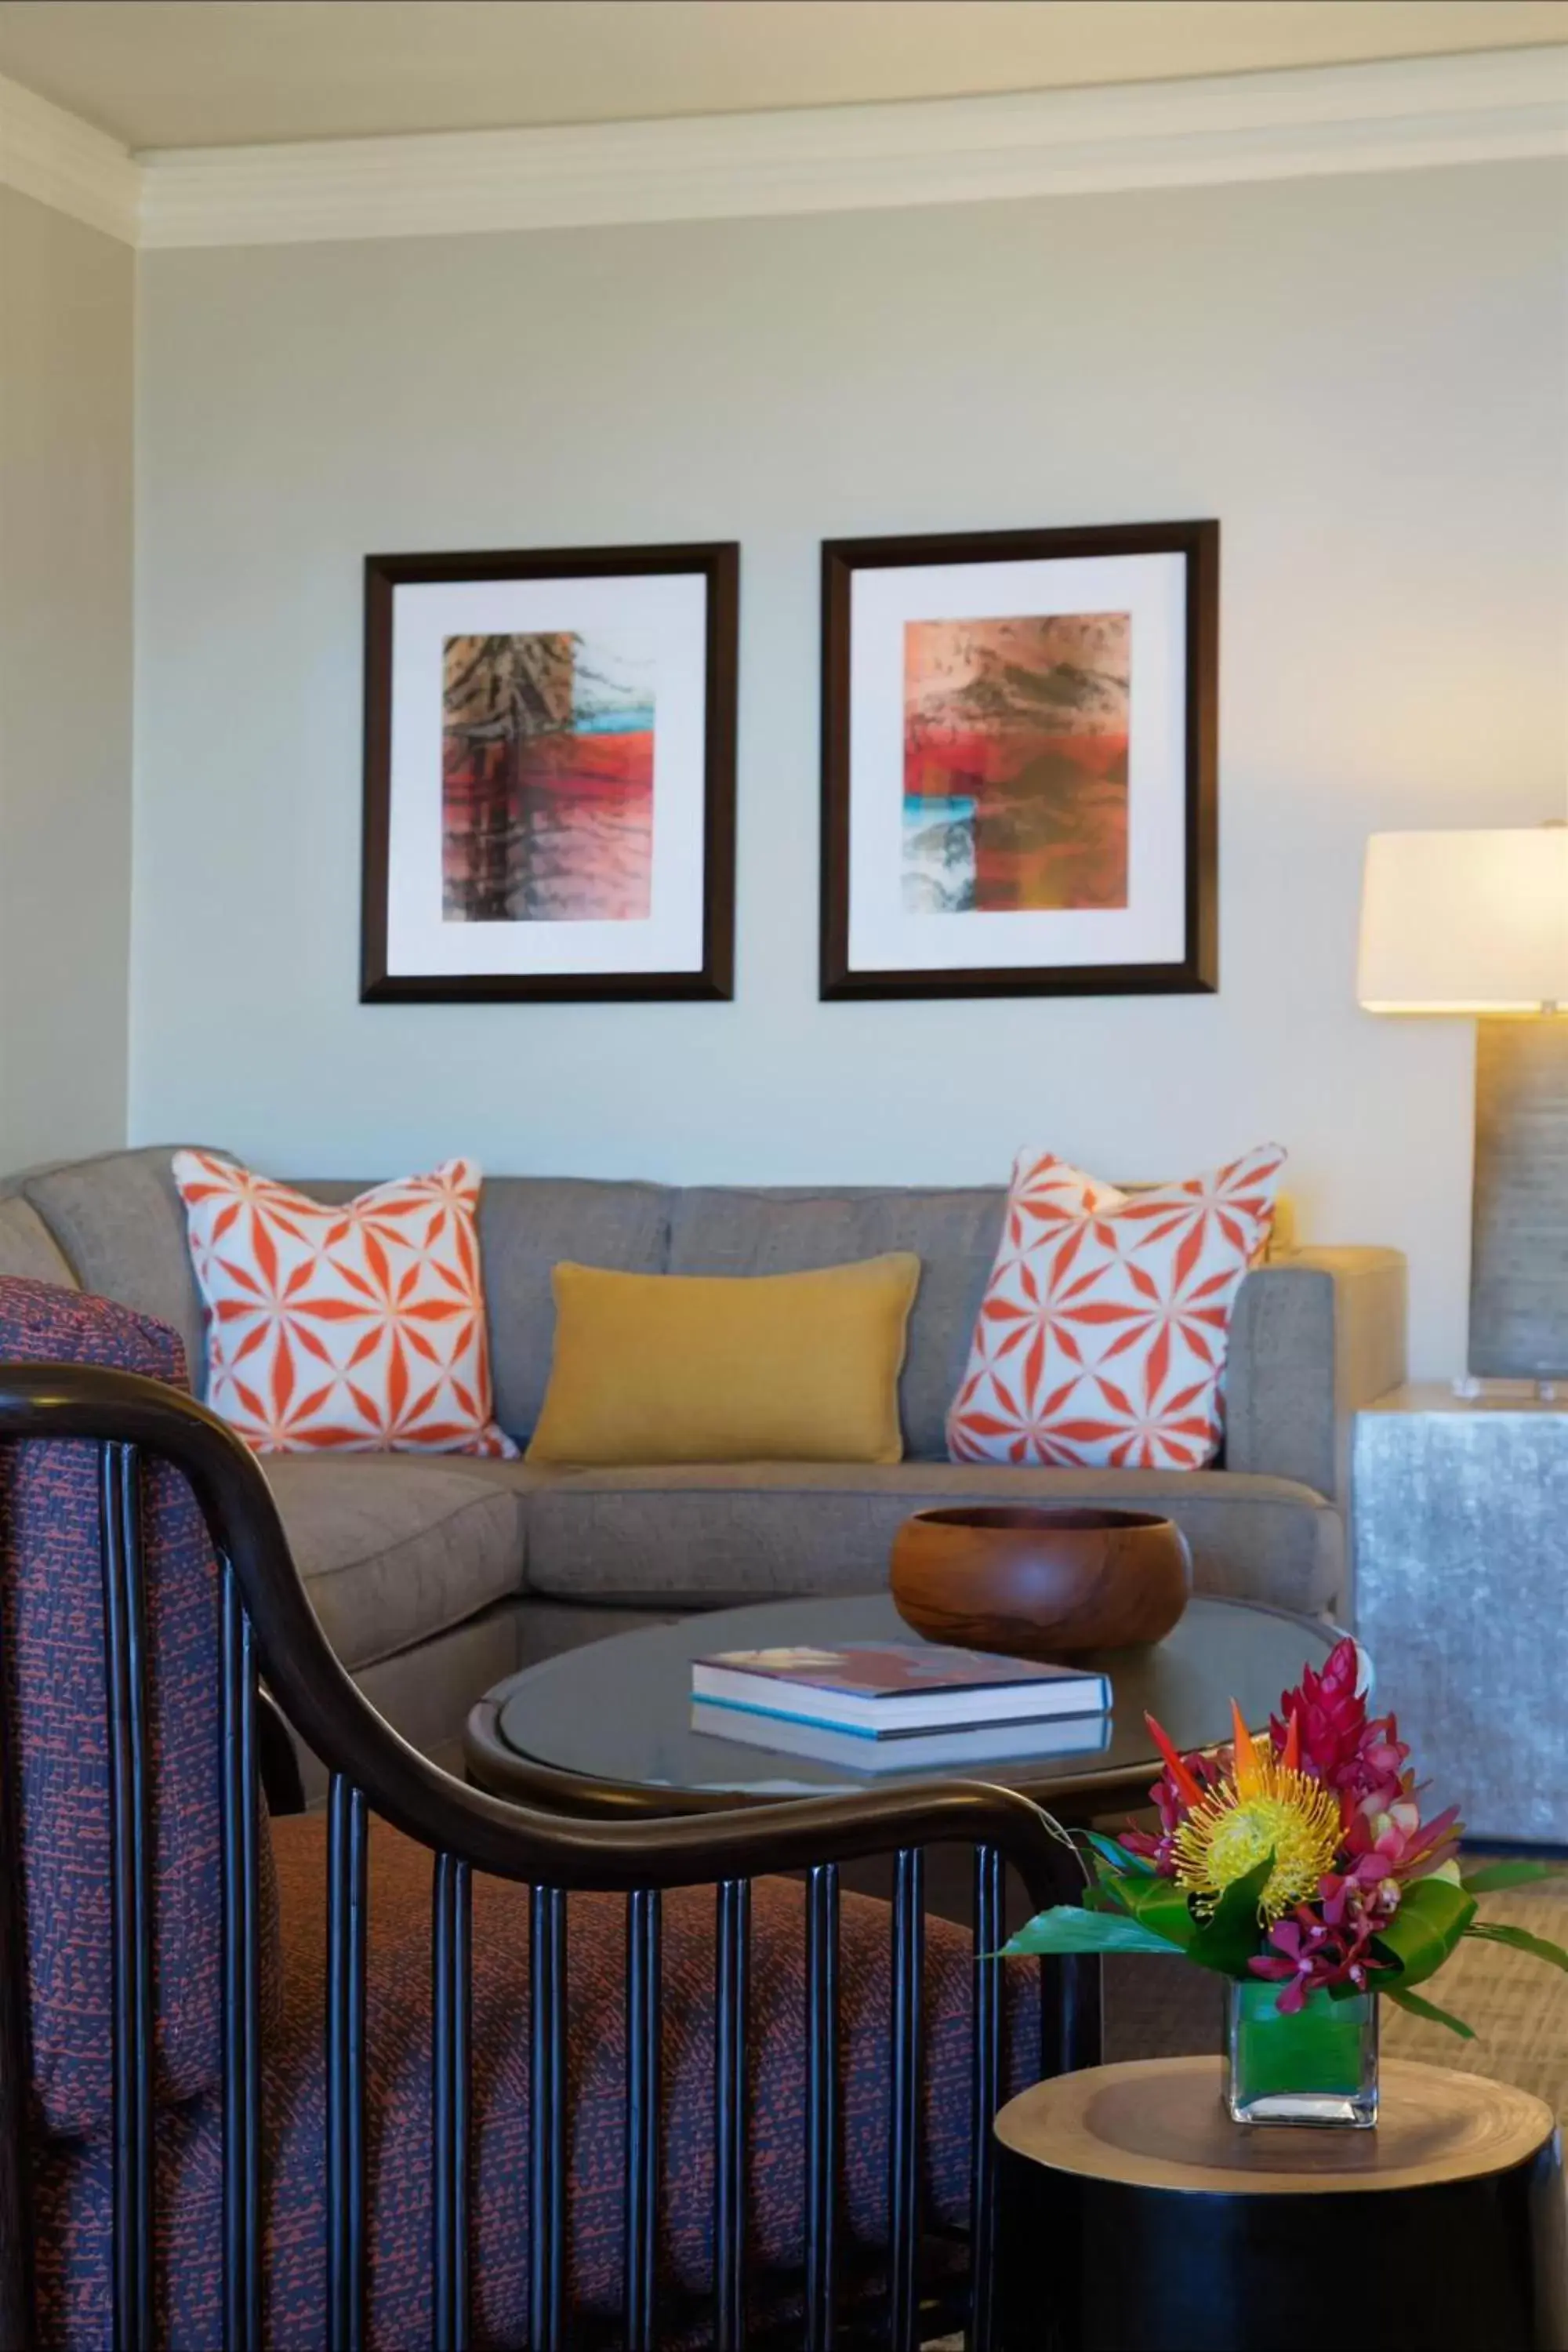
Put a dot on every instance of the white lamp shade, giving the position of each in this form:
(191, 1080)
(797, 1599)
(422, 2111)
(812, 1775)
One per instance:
(1465, 923)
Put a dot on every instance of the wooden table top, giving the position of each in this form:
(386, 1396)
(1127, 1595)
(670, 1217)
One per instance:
(1158, 2122)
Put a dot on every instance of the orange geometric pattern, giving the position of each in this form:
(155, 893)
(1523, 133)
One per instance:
(360, 1326)
(1100, 1341)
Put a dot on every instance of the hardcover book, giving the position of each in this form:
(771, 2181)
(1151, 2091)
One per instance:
(962, 1752)
(881, 1688)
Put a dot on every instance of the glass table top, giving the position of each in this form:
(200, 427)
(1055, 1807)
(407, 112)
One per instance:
(620, 1709)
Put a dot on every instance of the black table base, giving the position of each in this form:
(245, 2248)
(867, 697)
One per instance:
(1091, 2265)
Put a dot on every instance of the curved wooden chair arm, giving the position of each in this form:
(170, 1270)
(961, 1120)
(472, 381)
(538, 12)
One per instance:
(326, 1707)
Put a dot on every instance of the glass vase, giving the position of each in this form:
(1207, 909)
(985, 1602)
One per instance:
(1317, 2065)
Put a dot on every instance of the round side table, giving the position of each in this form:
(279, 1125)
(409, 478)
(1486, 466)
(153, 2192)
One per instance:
(1134, 2213)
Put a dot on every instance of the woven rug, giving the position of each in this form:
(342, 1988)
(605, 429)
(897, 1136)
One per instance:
(1518, 2006)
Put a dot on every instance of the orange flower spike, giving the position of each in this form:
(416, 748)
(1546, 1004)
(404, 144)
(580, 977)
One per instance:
(1290, 1754)
(1248, 1782)
(1181, 1781)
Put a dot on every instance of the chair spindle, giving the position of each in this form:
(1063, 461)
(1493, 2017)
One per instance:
(821, 2132)
(347, 1908)
(903, 2150)
(731, 1975)
(644, 2030)
(547, 2119)
(241, 1978)
(989, 1994)
(450, 2078)
(1070, 2022)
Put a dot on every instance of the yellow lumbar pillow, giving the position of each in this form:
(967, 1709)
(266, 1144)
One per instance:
(711, 1367)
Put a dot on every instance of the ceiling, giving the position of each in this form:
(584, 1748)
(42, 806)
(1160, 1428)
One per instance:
(197, 73)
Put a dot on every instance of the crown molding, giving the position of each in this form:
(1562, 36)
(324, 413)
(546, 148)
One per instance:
(1450, 109)
(63, 162)
(1490, 106)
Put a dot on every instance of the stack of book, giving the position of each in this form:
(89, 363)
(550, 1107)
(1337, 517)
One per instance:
(902, 1706)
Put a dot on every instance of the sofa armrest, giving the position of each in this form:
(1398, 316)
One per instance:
(1311, 1339)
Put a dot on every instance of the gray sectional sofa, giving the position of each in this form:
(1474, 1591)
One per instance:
(436, 1574)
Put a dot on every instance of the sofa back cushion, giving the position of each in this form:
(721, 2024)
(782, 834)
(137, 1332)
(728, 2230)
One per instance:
(528, 1226)
(722, 1229)
(28, 1249)
(120, 1222)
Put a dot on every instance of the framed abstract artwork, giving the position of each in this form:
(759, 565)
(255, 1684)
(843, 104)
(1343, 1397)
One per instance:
(550, 775)
(1019, 787)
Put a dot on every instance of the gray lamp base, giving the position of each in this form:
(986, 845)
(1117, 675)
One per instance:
(1519, 1243)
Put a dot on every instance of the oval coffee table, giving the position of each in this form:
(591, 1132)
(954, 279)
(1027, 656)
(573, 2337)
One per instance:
(606, 1728)
(1171, 2228)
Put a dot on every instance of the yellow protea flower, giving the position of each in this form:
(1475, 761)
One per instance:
(1267, 1806)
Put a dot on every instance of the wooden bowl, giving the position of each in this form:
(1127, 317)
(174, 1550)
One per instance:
(1040, 1583)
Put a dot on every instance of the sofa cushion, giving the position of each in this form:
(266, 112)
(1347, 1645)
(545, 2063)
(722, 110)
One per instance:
(28, 1249)
(709, 1367)
(396, 1547)
(121, 1223)
(703, 1537)
(357, 1328)
(1100, 1342)
(715, 1229)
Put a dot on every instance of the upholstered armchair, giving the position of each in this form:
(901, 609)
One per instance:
(430, 2068)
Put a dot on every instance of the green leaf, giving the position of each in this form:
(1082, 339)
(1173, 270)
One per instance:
(1494, 1876)
(1518, 1940)
(1432, 1917)
(1161, 1907)
(1117, 1855)
(1416, 2007)
(1234, 1930)
(1067, 1929)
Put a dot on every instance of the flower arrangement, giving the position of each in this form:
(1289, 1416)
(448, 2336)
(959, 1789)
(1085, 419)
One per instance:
(1301, 1862)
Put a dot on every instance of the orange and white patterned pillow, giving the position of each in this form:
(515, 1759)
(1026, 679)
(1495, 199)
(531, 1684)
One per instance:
(1100, 1341)
(360, 1326)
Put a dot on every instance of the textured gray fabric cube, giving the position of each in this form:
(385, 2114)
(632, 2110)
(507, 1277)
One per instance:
(1460, 1596)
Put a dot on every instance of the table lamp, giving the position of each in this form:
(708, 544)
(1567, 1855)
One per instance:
(1476, 923)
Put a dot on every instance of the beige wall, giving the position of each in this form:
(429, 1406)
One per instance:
(66, 365)
(1365, 379)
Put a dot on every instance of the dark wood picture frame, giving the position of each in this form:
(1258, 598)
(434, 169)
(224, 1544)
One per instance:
(1198, 973)
(718, 562)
